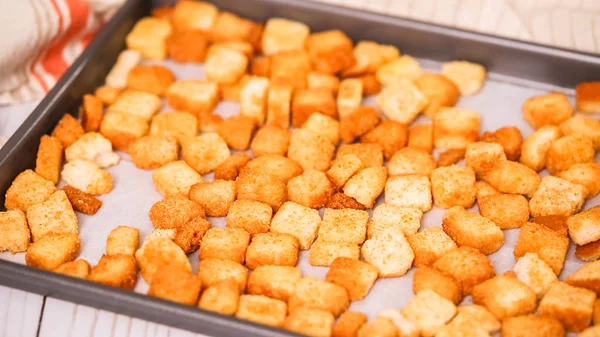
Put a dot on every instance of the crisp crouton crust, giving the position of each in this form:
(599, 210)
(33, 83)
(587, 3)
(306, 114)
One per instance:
(231, 167)
(588, 252)
(299, 221)
(53, 250)
(323, 253)
(176, 124)
(401, 101)
(225, 243)
(535, 148)
(390, 135)
(587, 97)
(472, 230)
(193, 15)
(151, 152)
(349, 324)
(148, 38)
(511, 177)
(455, 128)
(505, 210)
(311, 150)
(359, 122)
(586, 174)
(275, 165)
(122, 129)
(453, 186)
(278, 282)
(28, 189)
(557, 223)
(116, 271)
(316, 80)
(366, 186)
(154, 79)
(311, 189)
(213, 271)
(55, 215)
(275, 249)
(204, 153)
(429, 312)
(530, 325)
(159, 252)
(253, 216)
(588, 276)
(481, 156)
(349, 97)
(230, 27)
(468, 77)
(89, 146)
(174, 211)
(290, 69)
(81, 201)
(175, 177)
(341, 201)
(311, 322)
(404, 67)
(14, 232)
(68, 130)
(427, 278)
(194, 96)
(356, 276)
(281, 35)
(330, 51)
(123, 240)
(189, 236)
(509, 137)
(49, 158)
(390, 252)
(549, 109)
(270, 140)
(549, 245)
(222, 297)
(78, 268)
(108, 95)
(386, 216)
(370, 154)
(262, 310)
(318, 294)
(187, 47)
(567, 151)
(420, 136)
(440, 91)
(409, 191)
(343, 168)
(484, 190)
(467, 265)
(216, 197)
(429, 245)
(557, 196)
(582, 126)
(379, 327)
(324, 125)
(505, 296)
(261, 186)
(411, 161)
(572, 306)
(309, 101)
(583, 227)
(173, 284)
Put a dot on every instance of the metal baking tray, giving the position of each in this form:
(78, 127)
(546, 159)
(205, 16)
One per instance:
(517, 70)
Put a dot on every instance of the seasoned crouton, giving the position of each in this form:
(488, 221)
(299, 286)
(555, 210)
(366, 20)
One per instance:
(55, 215)
(341, 201)
(232, 92)
(237, 131)
(260, 66)
(530, 325)
(91, 112)
(378, 327)
(588, 276)
(230, 27)
(157, 253)
(567, 151)
(505, 296)
(187, 47)
(175, 177)
(427, 278)
(386, 216)
(556, 196)
(262, 310)
(389, 251)
(222, 297)
(359, 122)
(309, 101)
(281, 35)
(78, 268)
(14, 231)
(53, 250)
(311, 189)
(585, 174)
(369, 56)
(450, 157)
(586, 94)
(472, 230)
(401, 101)
(310, 322)
(323, 253)
(429, 312)
(123, 240)
(572, 306)
(279, 99)
(439, 90)
(549, 109)
(370, 154)
(366, 186)
(193, 15)
(455, 128)
(411, 161)
(429, 245)
(194, 96)
(189, 236)
(467, 266)
(174, 284)
(215, 197)
(278, 282)
(204, 153)
(512, 177)
(535, 148)
(588, 252)
(409, 191)
(404, 327)
(330, 51)
(252, 216)
(270, 140)
(177, 124)
(261, 186)
(122, 129)
(318, 294)
(582, 126)
(311, 150)
(550, 246)
(557, 223)
(151, 152)
(505, 210)
(148, 38)
(275, 249)
(108, 95)
(138, 103)
(174, 211)
(230, 168)
(484, 189)
(116, 271)
(299, 221)
(81, 201)
(154, 79)
(127, 60)
(403, 68)
(291, 69)
(316, 80)
(420, 136)
(68, 130)
(467, 76)
(344, 225)
(475, 316)
(225, 243)
(390, 135)
(584, 227)
(225, 65)
(349, 324)
(253, 99)
(481, 156)
(371, 85)
(324, 125)
(349, 96)
(89, 146)
(356, 276)
(28, 189)
(453, 186)
(343, 168)
(509, 137)
(212, 271)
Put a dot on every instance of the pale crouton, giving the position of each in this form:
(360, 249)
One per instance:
(127, 60)
(278, 282)
(572, 306)
(356, 276)
(378, 327)
(588, 276)
(588, 252)
(152, 152)
(291, 69)
(28, 189)
(467, 76)
(311, 189)
(53, 250)
(455, 128)
(137, 103)
(411, 161)
(387, 216)
(177, 124)
(204, 153)
(505, 296)
(232, 92)
(55, 215)
(193, 15)
(557, 223)
(390, 135)
(349, 96)
(309, 101)
(91, 112)
(366, 186)
(299, 221)
(79, 268)
(584, 227)
(389, 251)
(216, 197)
(108, 95)
(535, 148)
(404, 327)
(123, 240)
(67, 130)
(311, 150)
(252, 216)
(509, 137)
(122, 129)
(174, 211)
(310, 322)
(401, 101)
(279, 99)
(450, 157)
(225, 65)
(429, 312)
(420, 136)
(467, 266)
(349, 324)
(481, 156)
(187, 47)
(318, 294)
(512, 177)
(174, 284)
(324, 125)
(237, 131)
(370, 154)
(586, 95)
(472, 230)
(14, 231)
(549, 109)
(429, 245)
(157, 253)
(427, 278)
(505, 210)
(343, 168)
(567, 151)
(582, 126)
(530, 325)
(330, 51)
(359, 122)
(261, 186)
(403, 68)
(253, 99)
(550, 246)
(231, 167)
(148, 38)
(49, 158)
(585, 174)
(89, 146)
(270, 140)
(369, 56)
(82, 202)
(175, 177)
(116, 271)
(282, 35)
(225, 243)
(453, 186)
(344, 225)
(275, 249)
(153, 79)
(194, 96)
(230, 27)
(262, 310)
(323, 253)
(557, 196)
(439, 90)
(316, 80)
(213, 271)
(341, 201)
(222, 297)
(409, 191)
(189, 236)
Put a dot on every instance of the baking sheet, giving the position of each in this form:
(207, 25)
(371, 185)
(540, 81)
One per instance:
(499, 104)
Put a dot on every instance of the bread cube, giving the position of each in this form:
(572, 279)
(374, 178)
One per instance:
(429, 245)
(371, 85)
(585, 174)
(341, 201)
(318, 294)
(14, 231)
(230, 27)
(505, 296)
(429, 312)
(152, 79)
(582, 126)
(531, 325)
(324, 125)
(278, 282)
(253, 99)
(291, 69)
(262, 310)
(453, 186)
(297, 220)
(455, 128)
(467, 266)
(123, 240)
(596, 318)
(403, 68)
(317, 80)
(261, 186)
(330, 51)
(450, 157)
(369, 56)
(225, 65)
(349, 96)
(549, 109)
(68, 130)
(404, 327)
(427, 278)
(583, 227)
(79, 268)
(366, 186)
(472, 230)
(204, 153)
(411, 161)
(194, 96)
(323, 253)
(311, 150)
(389, 251)
(589, 251)
(177, 124)
(355, 276)
(344, 225)
(512, 177)
(390, 135)
(379, 327)
(401, 101)
(174, 211)
(556, 196)
(49, 158)
(310, 322)
(392, 216)
(409, 191)
(122, 129)
(222, 297)
(557, 223)
(587, 98)
(117, 77)
(88, 146)
(55, 215)
(189, 236)
(175, 177)
(588, 276)
(361, 121)
(439, 90)
(53, 250)
(252, 216)
(260, 66)
(481, 156)
(476, 316)
(343, 168)
(467, 76)
(173, 284)
(567, 151)
(225, 243)
(420, 136)
(231, 167)
(212, 271)
(282, 35)
(549, 245)
(505, 210)
(535, 148)
(187, 46)
(151, 152)
(370, 154)
(274, 165)
(148, 38)
(108, 95)
(28, 188)
(349, 324)
(509, 137)
(276, 249)
(194, 15)
(270, 140)
(483, 189)
(237, 131)
(311, 189)
(572, 306)
(309, 101)
(118, 271)
(157, 253)
(279, 99)
(216, 197)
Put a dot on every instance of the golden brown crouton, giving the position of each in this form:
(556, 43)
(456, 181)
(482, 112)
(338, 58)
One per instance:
(411, 161)
(123, 240)
(316, 80)
(253, 216)
(453, 186)
(291, 69)
(481, 156)
(53, 250)
(401, 101)
(299, 221)
(429, 245)
(174, 284)
(225, 65)
(323, 253)
(509, 137)
(310, 322)
(450, 157)
(484, 189)
(176, 124)
(225, 243)
(391, 135)
(138, 103)
(366, 186)
(582, 126)
(467, 266)
(596, 317)
(588, 276)
(262, 310)
(81, 201)
(404, 327)
(116, 271)
(403, 68)
(472, 230)
(357, 123)
(311, 189)
(194, 96)
(429, 312)
(261, 186)
(355, 276)
(344, 225)
(222, 297)
(572, 306)
(370, 154)
(550, 246)
(28, 189)
(530, 325)
(14, 232)
(174, 211)
(108, 95)
(260, 66)
(190, 46)
(309, 101)
(439, 90)
(159, 252)
(151, 152)
(341, 201)
(189, 236)
(282, 35)
(557, 196)
(318, 294)
(127, 59)
(369, 56)
(122, 129)
(276, 282)
(535, 148)
(427, 278)
(55, 215)
(154, 79)
(270, 140)
(79, 268)
(212, 271)
(505, 296)
(557, 223)
(371, 85)
(68, 130)
(587, 97)
(206, 152)
(567, 151)
(549, 109)
(386, 216)
(389, 251)
(193, 15)
(455, 128)
(279, 98)
(311, 150)
(588, 252)
(330, 51)
(420, 136)
(349, 324)
(343, 168)
(511, 177)
(505, 210)
(253, 99)
(475, 316)
(277, 249)
(583, 227)
(324, 125)
(467, 76)
(175, 177)
(349, 96)
(230, 168)
(411, 190)
(585, 174)
(91, 112)
(230, 27)
(215, 197)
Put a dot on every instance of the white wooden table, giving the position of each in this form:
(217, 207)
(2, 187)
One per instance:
(573, 24)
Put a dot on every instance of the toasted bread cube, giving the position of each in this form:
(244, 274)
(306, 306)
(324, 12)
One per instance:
(557, 223)
(358, 123)
(467, 266)
(108, 95)
(505, 296)
(276, 249)
(175, 177)
(324, 125)
(53, 250)
(439, 90)
(14, 231)
(472, 230)
(588, 276)
(323, 253)
(278, 282)
(585, 174)
(587, 97)
(429, 312)
(379, 327)
(483, 189)
(404, 327)
(173, 284)
(572, 306)
(390, 135)
(588, 252)
(174, 211)
(370, 154)
(189, 236)
(275, 165)
(177, 124)
(311, 150)
(316, 80)
(530, 325)
(153, 79)
(252, 216)
(237, 131)
(369, 57)
(505, 210)
(204, 153)
(420, 136)
(281, 35)
(299, 221)
(481, 156)
(366, 186)
(389, 251)
(187, 47)
(157, 234)
(139, 103)
(349, 324)
(310, 322)
(87, 176)
(225, 65)
(116, 271)
(473, 315)
(117, 77)
(409, 191)
(222, 297)
(455, 128)
(392, 216)
(279, 99)
(28, 188)
(549, 109)
(148, 37)
(260, 66)
(411, 161)
(68, 130)
(79, 268)
(429, 245)
(453, 186)
(330, 51)
(151, 152)
(270, 140)
(233, 92)
(262, 310)
(49, 158)
(450, 157)
(349, 96)
(231, 167)
(596, 318)
(355, 276)
(216, 197)
(261, 186)
(213, 271)
(403, 68)
(535, 148)
(427, 278)
(55, 215)
(253, 99)
(344, 225)
(122, 129)
(511, 177)
(582, 126)
(584, 227)
(193, 15)
(311, 189)
(567, 151)
(89, 146)
(467, 76)
(550, 246)
(401, 101)
(194, 96)
(291, 69)
(159, 252)
(309, 101)
(123, 240)
(371, 85)
(509, 137)
(557, 196)
(343, 168)
(230, 27)
(318, 294)
(341, 201)
(225, 243)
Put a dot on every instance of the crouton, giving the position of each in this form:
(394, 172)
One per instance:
(175, 177)
(467, 266)
(366, 186)
(370, 154)
(475, 316)
(270, 140)
(194, 15)
(549, 109)
(586, 95)
(386, 216)
(174, 284)
(253, 99)
(556, 196)
(189, 236)
(82, 202)
(583, 227)
(316, 80)
(429, 312)
(261, 186)
(116, 271)
(299, 221)
(588, 277)
(341, 201)
(260, 66)
(53, 250)
(572, 306)
(281, 35)
(153, 79)
(404, 327)
(225, 243)
(411, 161)
(225, 65)
(122, 129)
(505, 210)
(89, 146)
(291, 69)
(429, 245)
(157, 253)
(311, 150)
(107, 159)
(28, 189)
(371, 85)
(427, 278)
(194, 96)
(355, 276)
(55, 215)
(138, 103)
(567, 151)
(582, 126)
(455, 128)
(378, 327)
(403, 68)
(505, 296)
(157, 234)
(318, 294)
(484, 189)
(401, 101)
(535, 148)
(14, 231)
(467, 76)
(390, 135)
(187, 47)
(509, 137)
(309, 101)
(311, 189)
(588, 252)
(216, 197)
(349, 324)
(79, 268)
(204, 153)
(108, 95)
(344, 225)
(310, 322)
(450, 157)
(409, 191)
(389, 251)
(530, 325)
(481, 156)
(279, 98)
(276, 282)
(180, 125)
(252, 216)
(262, 310)
(557, 223)
(330, 51)
(420, 136)
(323, 253)
(151, 152)
(512, 177)
(128, 59)
(67, 130)
(439, 90)
(213, 271)
(230, 27)
(276, 249)
(349, 97)
(343, 168)
(123, 240)
(323, 125)
(369, 56)
(222, 297)
(91, 112)
(453, 186)
(585, 174)
(596, 318)
(550, 246)
(174, 211)
(472, 230)
(230, 168)
(361, 121)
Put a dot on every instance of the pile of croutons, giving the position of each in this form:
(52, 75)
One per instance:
(300, 94)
